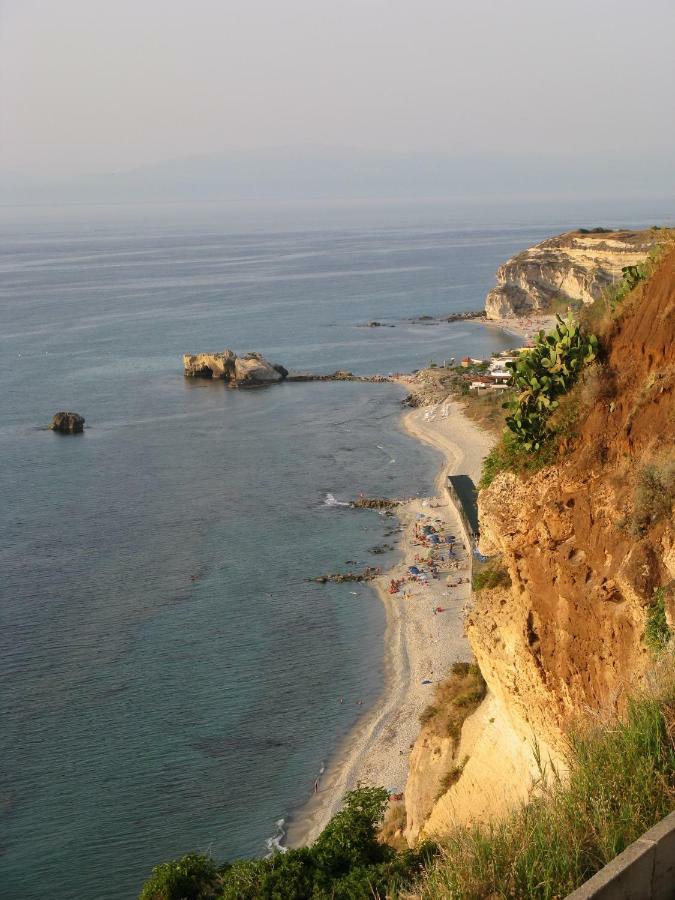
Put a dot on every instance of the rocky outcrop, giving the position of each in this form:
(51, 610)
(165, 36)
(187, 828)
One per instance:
(251, 370)
(67, 423)
(575, 266)
(339, 375)
(374, 503)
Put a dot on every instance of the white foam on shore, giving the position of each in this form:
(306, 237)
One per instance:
(331, 501)
(274, 844)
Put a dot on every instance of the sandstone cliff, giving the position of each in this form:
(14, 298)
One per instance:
(586, 542)
(575, 266)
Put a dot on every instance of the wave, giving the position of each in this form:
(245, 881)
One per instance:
(274, 844)
(331, 501)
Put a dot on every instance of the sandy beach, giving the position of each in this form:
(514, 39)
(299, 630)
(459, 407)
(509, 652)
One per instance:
(424, 631)
(523, 327)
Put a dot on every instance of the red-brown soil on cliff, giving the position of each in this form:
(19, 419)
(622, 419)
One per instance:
(568, 636)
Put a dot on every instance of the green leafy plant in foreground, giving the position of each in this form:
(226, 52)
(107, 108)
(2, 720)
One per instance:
(346, 862)
(543, 374)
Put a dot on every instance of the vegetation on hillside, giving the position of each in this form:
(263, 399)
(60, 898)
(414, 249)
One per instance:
(346, 862)
(542, 375)
(621, 782)
(455, 698)
(489, 574)
(562, 375)
(657, 631)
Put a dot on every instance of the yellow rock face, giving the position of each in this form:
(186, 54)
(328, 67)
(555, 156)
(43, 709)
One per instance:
(571, 266)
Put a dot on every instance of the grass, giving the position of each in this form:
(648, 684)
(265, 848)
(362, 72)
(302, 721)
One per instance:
(451, 777)
(657, 631)
(487, 408)
(508, 456)
(621, 783)
(488, 575)
(654, 496)
(455, 699)
(393, 827)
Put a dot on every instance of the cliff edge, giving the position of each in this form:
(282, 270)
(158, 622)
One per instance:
(587, 544)
(572, 267)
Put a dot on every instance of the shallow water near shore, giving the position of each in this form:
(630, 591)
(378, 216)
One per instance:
(170, 680)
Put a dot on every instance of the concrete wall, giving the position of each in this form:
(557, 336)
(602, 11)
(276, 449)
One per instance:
(644, 871)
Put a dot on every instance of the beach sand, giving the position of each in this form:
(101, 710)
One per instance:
(523, 327)
(420, 644)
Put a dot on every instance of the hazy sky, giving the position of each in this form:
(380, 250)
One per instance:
(91, 86)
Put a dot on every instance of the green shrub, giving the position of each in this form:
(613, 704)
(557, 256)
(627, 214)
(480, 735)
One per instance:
(347, 862)
(542, 375)
(194, 877)
(657, 631)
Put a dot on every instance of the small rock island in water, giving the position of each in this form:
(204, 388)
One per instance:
(251, 370)
(67, 423)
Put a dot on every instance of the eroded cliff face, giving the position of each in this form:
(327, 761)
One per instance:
(567, 638)
(568, 635)
(571, 266)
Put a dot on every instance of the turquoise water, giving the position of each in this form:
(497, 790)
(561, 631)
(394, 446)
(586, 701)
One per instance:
(169, 679)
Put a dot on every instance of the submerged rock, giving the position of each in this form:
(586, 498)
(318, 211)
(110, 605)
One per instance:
(67, 423)
(340, 577)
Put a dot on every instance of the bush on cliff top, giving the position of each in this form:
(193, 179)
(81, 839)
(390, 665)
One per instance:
(346, 862)
(541, 377)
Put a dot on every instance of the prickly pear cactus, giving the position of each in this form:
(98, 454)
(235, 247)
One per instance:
(543, 374)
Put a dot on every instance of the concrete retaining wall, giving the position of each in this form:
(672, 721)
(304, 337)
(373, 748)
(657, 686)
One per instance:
(644, 871)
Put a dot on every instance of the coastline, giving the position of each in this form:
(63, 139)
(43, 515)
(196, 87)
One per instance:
(419, 645)
(523, 327)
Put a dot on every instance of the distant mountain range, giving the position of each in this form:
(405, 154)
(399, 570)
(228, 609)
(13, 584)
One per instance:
(348, 175)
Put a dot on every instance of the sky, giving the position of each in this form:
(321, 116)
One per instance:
(90, 87)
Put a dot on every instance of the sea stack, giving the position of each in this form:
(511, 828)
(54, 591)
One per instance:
(251, 370)
(67, 423)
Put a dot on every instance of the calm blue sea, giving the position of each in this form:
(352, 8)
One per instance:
(169, 681)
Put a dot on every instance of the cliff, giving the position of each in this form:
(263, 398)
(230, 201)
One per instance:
(586, 542)
(575, 266)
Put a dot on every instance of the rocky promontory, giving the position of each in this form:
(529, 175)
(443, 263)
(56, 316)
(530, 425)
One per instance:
(571, 267)
(251, 370)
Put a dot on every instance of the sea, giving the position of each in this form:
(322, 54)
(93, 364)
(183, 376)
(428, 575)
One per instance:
(170, 676)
